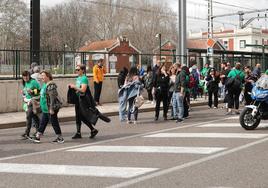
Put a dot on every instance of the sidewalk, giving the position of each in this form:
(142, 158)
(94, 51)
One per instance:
(17, 119)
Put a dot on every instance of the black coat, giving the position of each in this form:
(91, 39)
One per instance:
(88, 108)
(213, 84)
(72, 97)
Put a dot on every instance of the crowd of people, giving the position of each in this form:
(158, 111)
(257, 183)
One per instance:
(174, 85)
(41, 99)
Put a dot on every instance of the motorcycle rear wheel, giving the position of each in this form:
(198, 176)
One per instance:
(247, 121)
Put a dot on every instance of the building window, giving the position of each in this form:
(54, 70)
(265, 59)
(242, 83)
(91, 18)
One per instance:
(256, 42)
(225, 44)
(242, 43)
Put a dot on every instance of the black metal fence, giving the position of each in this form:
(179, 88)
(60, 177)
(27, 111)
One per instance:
(13, 62)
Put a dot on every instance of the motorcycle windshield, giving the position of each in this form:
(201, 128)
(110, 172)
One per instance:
(262, 82)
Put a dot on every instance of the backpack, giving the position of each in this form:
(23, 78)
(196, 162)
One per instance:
(192, 81)
(234, 83)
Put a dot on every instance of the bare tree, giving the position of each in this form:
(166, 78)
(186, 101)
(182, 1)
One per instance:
(14, 24)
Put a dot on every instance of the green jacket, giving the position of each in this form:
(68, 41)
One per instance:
(233, 73)
(205, 71)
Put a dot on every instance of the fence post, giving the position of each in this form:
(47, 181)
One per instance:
(16, 63)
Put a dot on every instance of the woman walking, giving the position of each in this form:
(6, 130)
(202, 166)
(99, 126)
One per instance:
(50, 105)
(30, 92)
(81, 88)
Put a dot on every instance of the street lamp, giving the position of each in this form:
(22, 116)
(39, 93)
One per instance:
(158, 35)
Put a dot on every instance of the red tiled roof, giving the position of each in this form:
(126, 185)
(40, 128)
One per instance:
(201, 44)
(265, 31)
(197, 44)
(99, 45)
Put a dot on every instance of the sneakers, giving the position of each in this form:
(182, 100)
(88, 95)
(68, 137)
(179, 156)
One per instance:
(228, 113)
(25, 136)
(36, 139)
(179, 120)
(59, 140)
(94, 133)
(77, 136)
(237, 112)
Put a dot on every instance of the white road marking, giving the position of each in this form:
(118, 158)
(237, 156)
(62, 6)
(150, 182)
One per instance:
(186, 165)
(222, 125)
(150, 149)
(104, 141)
(207, 135)
(72, 170)
(233, 117)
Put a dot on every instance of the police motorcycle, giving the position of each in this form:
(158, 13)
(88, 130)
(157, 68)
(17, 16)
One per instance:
(252, 114)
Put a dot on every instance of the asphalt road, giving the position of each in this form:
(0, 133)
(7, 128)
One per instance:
(208, 150)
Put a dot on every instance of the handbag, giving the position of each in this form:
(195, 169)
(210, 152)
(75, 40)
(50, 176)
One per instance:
(139, 100)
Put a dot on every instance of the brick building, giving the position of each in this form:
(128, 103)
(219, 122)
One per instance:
(168, 51)
(117, 53)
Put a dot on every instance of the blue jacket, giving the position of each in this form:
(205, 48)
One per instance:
(130, 90)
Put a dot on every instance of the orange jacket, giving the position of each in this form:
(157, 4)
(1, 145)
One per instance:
(98, 73)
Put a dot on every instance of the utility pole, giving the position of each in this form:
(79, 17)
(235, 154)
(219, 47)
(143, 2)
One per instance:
(35, 32)
(182, 35)
(210, 32)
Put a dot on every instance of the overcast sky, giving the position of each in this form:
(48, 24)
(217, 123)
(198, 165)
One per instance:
(198, 9)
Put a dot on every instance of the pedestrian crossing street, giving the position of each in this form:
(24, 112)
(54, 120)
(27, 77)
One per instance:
(132, 172)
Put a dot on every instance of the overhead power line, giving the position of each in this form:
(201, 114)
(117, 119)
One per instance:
(146, 10)
(231, 5)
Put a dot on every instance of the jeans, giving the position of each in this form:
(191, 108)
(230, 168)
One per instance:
(132, 109)
(122, 107)
(97, 91)
(54, 121)
(29, 117)
(177, 103)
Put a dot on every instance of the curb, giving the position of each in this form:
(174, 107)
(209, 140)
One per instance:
(72, 118)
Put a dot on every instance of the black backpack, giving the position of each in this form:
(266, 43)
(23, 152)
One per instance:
(234, 83)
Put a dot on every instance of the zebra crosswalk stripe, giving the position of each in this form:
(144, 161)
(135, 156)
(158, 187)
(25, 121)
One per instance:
(150, 149)
(72, 170)
(207, 135)
(228, 125)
